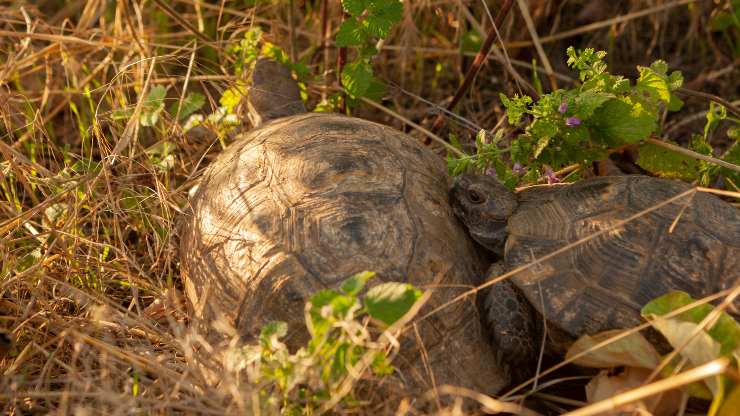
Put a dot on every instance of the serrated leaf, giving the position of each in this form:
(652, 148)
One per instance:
(356, 78)
(355, 7)
(516, 107)
(587, 102)
(351, 33)
(667, 164)
(623, 121)
(153, 106)
(192, 103)
(388, 302)
(353, 285)
(631, 351)
(383, 15)
(653, 84)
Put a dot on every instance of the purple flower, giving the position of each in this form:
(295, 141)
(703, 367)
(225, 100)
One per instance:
(550, 175)
(491, 172)
(518, 169)
(573, 121)
(563, 107)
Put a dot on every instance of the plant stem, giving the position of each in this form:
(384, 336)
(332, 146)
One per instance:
(477, 62)
(341, 60)
(691, 153)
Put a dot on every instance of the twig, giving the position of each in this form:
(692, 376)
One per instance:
(711, 97)
(692, 154)
(477, 62)
(341, 60)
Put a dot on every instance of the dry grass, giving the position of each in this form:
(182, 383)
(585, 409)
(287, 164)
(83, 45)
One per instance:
(89, 202)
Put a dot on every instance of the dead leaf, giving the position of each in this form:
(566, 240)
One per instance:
(604, 386)
(631, 351)
(700, 350)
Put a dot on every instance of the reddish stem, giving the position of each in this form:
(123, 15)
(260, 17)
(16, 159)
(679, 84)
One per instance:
(477, 63)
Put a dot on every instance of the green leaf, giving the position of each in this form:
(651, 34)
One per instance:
(731, 403)
(318, 324)
(623, 121)
(726, 330)
(667, 164)
(388, 302)
(272, 332)
(351, 33)
(355, 7)
(715, 114)
(380, 365)
(383, 15)
(587, 102)
(153, 106)
(353, 285)
(233, 96)
(543, 130)
(357, 77)
(653, 84)
(516, 107)
(192, 103)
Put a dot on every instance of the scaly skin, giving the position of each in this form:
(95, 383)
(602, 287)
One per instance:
(273, 93)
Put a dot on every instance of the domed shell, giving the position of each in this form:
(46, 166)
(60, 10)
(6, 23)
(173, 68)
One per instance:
(302, 203)
(691, 244)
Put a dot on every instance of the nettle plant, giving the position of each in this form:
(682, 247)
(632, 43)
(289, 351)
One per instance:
(584, 124)
(345, 345)
(368, 22)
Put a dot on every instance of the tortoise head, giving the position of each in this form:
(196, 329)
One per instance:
(273, 93)
(484, 205)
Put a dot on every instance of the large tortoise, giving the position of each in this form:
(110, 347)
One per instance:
(691, 244)
(304, 201)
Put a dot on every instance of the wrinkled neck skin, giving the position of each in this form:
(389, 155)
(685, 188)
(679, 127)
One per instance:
(273, 93)
(486, 221)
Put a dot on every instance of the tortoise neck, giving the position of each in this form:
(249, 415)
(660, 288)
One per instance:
(273, 93)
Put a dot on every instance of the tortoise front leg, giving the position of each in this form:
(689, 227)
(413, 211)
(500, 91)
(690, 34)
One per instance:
(512, 323)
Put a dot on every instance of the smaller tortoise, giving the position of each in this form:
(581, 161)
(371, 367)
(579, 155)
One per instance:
(691, 244)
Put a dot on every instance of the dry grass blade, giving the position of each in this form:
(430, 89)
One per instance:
(489, 404)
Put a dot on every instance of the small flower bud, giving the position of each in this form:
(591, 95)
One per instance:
(563, 107)
(550, 175)
(518, 169)
(573, 121)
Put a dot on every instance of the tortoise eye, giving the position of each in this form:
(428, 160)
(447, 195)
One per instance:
(475, 197)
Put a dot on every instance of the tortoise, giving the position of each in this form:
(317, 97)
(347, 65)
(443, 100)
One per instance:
(691, 244)
(304, 201)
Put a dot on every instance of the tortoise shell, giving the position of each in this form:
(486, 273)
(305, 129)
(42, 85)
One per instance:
(691, 244)
(303, 202)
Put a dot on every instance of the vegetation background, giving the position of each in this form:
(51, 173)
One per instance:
(95, 166)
